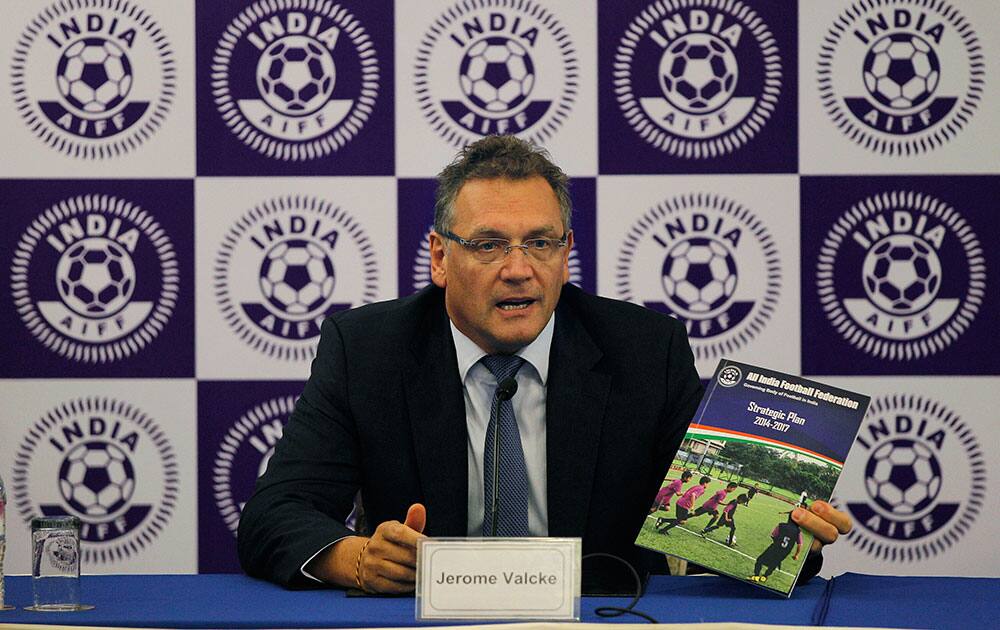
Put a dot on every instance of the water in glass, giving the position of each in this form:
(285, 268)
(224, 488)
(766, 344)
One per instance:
(56, 568)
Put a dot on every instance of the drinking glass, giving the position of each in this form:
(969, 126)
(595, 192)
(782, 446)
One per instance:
(55, 564)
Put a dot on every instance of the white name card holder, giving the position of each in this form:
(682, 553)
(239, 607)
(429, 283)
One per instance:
(498, 578)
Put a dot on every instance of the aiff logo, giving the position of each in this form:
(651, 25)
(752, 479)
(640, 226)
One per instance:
(707, 261)
(495, 67)
(901, 275)
(95, 278)
(730, 376)
(93, 78)
(107, 463)
(295, 79)
(900, 77)
(697, 79)
(285, 266)
(923, 478)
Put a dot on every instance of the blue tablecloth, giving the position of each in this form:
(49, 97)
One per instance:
(203, 601)
(907, 602)
(212, 601)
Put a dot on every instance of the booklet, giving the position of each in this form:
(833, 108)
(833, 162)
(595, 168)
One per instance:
(761, 444)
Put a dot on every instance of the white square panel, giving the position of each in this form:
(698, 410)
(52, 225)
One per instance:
(139, 122)
(917, 481)
(718, 252)
(449, 56)
(275, 256)
(855, 118)
(119, 454)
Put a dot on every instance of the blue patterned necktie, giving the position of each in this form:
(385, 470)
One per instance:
(512, 476)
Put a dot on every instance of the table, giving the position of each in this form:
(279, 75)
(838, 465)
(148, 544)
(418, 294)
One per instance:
(204, 601)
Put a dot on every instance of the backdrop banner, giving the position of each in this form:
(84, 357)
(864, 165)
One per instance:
(188, 188)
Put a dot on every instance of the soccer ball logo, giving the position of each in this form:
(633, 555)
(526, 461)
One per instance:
(61, 551)
(698, 73)
(296, 277)
(728, 377)
(903, 476)
(901, 70)
(96, 478)
(699, 275)
(95, 277)
(295, 75)
(496, 74)
(94, 75)
(902, 274)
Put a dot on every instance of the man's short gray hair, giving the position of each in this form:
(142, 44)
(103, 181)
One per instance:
(495, 157)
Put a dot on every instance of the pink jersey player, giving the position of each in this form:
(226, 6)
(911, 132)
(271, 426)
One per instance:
(714, 501)
(667, 492)
(687, 501)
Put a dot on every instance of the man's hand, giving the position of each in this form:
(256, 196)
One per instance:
(384, 563)
(824, 521)
(389, 561)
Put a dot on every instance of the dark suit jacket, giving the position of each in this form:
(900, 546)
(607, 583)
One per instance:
(383, 411)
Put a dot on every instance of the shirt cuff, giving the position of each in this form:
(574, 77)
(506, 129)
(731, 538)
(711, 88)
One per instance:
(302, 569)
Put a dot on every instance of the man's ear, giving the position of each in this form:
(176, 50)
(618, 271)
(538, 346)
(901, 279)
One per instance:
(436, 247)
(569, 246)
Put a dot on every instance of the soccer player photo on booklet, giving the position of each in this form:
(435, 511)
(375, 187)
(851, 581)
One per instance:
(758, 434)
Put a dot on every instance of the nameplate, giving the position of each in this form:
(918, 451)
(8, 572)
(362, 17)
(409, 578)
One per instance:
(498, 578)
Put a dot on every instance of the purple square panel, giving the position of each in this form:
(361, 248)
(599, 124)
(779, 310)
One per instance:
(98, 279)
(896, 275)
(698, 87)
(238, 426)
(295, 88)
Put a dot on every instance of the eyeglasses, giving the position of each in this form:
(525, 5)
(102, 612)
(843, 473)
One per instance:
(494, 250)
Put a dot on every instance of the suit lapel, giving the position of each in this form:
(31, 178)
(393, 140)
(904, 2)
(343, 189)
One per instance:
(437, 417)
(576, 398)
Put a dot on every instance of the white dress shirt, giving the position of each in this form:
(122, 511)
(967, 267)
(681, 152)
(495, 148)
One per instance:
(529, 408)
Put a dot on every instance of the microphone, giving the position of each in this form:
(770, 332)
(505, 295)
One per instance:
(505, 391)
(506, 388)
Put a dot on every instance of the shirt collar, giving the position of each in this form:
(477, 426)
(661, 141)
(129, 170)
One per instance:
(536, 353)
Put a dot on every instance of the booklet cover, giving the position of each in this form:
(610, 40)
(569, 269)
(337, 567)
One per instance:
(761, 443)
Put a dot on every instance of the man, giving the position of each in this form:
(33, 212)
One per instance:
(400, 399)
(752, 493)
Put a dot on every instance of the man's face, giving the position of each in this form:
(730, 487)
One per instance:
(501, 306)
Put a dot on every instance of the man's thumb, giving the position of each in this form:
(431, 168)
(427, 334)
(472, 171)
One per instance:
(416, 517)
